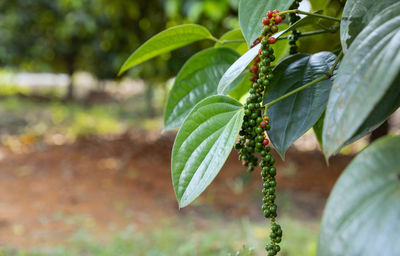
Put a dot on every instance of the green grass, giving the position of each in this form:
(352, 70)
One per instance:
(217, 238)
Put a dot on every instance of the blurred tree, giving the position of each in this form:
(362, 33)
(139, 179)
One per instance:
(98, 35)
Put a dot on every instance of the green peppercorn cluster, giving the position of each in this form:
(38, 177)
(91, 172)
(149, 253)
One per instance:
(253, 138)
(293, 17)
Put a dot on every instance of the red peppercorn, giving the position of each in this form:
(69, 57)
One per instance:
(253, 78)
(265, 21)
(269, 14)
(278, 19)
(271, 40)
(275, 11)
(259, 52)
(263, 124)
(265, 142)
(257, 59)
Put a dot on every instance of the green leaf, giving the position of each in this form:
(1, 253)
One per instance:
(251, 13)
(242, 78)
(363, 211)
(233, 39)
(242, 89)
(295, 115)
(203, 145)
(197, 80)
(367, 72)
(356, 15)
(165, 41)
(238, 67)
(386, 107)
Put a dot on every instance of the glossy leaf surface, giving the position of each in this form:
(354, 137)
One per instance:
(363, 211)
(296, 114)
(165, 41)
(203, 145)
(356, 15)
(251, 13)
(367, 72)
(197, 80)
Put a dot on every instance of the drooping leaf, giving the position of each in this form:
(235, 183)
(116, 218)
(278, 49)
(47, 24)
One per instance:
(203, 145)
(237, 82)
(233, 39)
(295, 115)
(165, 41)
(356, 15)
(251, 13)
(197, 80)
(363, 211)
(242, 89)
(238, 67)
(367, 72)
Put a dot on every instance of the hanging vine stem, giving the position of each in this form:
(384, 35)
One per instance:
(311, 33)
(311, 14)
(328, 75)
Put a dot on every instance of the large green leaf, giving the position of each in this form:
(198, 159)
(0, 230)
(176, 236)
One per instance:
(386, 106)
(295, 115)
(203, 145)
(242, 80)
(238, 67)
(197, 80)
(233, 39)
(165, 41)
(356, 15)
(242, 89)
(362, 216)
(367, 72)
(251, 13)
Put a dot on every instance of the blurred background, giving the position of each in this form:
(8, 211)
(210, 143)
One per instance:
(84, 168)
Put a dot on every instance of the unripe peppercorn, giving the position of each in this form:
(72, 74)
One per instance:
(274, 29)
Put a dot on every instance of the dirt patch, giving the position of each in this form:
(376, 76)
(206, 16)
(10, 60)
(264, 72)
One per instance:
(106, 184)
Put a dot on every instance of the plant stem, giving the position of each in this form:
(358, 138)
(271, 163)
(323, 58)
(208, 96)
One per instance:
(339, 57)
(232, 41)
(311, 14)
(318, 15)
(215, 39)
(322, 78)
(322, 31)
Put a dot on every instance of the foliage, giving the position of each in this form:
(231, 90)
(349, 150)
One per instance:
(97, 35)
(373, 204)
(343, 95)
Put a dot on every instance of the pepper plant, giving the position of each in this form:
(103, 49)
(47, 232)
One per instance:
(256, 86)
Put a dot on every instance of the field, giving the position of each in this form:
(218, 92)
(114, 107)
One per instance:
(106, 191)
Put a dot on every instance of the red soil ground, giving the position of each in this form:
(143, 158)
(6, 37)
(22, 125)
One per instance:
(105, 185)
